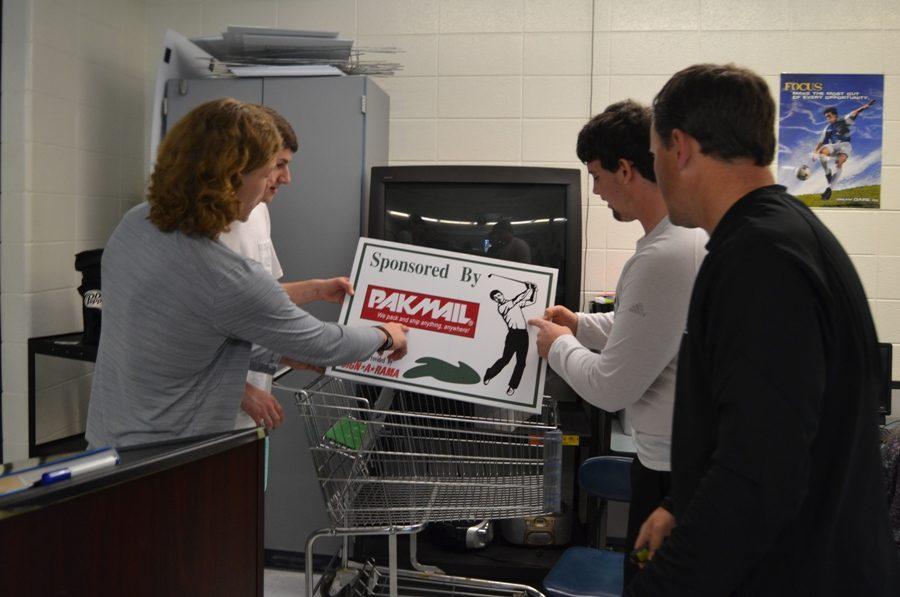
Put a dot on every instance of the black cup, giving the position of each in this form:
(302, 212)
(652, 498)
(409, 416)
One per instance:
(88, 263)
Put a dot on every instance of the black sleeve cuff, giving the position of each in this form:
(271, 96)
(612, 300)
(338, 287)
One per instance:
(666, 504)
(388, 341)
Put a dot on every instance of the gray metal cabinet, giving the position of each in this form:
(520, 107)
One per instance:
(183, 95)
(342, 128)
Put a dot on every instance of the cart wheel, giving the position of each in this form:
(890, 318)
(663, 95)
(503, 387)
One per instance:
(337, 584)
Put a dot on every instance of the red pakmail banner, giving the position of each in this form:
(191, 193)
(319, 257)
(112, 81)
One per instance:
(467, 315)
(422, 311)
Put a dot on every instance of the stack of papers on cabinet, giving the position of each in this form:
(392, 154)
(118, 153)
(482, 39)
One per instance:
(286, 70)
(259, 46)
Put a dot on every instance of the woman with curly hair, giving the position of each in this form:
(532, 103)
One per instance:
(181, 310)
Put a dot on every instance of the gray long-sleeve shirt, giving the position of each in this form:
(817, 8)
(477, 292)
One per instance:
(179, 316)
(635, 369)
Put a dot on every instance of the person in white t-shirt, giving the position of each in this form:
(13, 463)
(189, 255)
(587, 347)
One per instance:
(252, 239)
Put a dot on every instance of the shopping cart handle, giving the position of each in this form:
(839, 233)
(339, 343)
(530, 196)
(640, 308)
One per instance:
(281, 373)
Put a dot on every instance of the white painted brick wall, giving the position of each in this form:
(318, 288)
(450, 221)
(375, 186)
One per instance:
(480, 97)
(479, 140)
(558, 15)
(762, 51)
(73, 107)
(326, 15)
(412, 97)
(635, 48)
(558, 53)
(594, 229)
(727, 15)
(469, 16)
(550, 140)
(867, 268)
(381, 17)
(557, 97)
(492, 82)
(217, 16)
(888, 277)
(652, 52)
(479, 54)
(594, 270)
(413, 139)
(650, 15)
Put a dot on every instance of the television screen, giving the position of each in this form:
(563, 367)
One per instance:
(524, 222)
(516, 213)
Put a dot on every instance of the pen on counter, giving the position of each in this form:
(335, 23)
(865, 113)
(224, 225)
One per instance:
(102, 459)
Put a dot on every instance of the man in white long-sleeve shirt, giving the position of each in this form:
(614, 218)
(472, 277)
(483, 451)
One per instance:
(638, 342)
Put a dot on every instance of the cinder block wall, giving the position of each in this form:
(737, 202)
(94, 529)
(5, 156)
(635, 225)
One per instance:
(72, 164)
(485, 81)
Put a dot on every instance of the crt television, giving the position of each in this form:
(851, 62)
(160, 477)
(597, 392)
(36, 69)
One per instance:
(509, 212)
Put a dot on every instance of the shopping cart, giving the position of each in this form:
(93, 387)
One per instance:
(390, 461)
(370, 580)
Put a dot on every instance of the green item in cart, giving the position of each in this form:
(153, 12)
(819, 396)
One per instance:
(347, 432)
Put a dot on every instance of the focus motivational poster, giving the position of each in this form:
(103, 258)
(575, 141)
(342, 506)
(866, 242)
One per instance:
(830, 131)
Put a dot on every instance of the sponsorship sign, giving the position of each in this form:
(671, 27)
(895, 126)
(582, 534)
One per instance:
(466, 314)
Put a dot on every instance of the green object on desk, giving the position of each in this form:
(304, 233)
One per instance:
(348, 432)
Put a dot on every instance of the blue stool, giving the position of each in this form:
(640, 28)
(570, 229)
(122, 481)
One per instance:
(587, 572)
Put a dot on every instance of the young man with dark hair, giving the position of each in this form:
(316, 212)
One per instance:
(616, 134)
(835, 143)
(776, 485)
(635, 369)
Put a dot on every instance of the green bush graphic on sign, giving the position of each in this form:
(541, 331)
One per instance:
(443, 371)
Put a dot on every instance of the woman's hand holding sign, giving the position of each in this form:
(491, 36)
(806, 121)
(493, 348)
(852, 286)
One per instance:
(394, 344)
(394, 340)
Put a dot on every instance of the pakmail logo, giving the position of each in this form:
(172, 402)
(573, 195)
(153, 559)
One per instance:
(422, 311)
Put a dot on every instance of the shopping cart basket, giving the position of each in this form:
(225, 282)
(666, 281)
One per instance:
(389, 461)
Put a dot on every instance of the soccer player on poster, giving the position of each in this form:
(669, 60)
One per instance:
(835, 144)
(836, 121)
(517, 335)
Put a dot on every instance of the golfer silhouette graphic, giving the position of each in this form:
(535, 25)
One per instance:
(516, 336)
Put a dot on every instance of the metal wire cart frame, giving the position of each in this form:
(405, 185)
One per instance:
(390, 461)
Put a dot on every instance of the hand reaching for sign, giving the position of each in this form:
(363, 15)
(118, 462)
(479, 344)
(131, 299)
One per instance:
(397, 333)
(548, 332)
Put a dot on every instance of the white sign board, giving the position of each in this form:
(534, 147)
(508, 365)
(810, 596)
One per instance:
(467, 314)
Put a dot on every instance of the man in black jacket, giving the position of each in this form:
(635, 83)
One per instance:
(775, 465)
